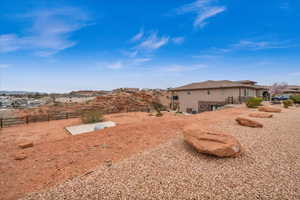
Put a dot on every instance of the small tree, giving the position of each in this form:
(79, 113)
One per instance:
(277, 88)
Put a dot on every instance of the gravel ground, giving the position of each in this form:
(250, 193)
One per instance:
(269, 168)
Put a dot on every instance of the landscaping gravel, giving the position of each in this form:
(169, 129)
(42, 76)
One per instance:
(269, 168)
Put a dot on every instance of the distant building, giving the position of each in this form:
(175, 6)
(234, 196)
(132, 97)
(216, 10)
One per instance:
(210, 95)
(72, 99)
(129, 90)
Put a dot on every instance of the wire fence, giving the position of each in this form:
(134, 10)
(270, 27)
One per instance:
(12, 121)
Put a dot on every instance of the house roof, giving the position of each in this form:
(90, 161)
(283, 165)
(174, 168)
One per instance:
(215, 84)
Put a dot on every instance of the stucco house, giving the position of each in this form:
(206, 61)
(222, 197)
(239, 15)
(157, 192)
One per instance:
(209, 95)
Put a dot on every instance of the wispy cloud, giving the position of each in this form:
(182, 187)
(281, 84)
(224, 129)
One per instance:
(285, 6)
(203, 9)
(49, 33)
(153, 42)
(252, 45)
(123, 63)
(138, 36)
(178, 40)
(139, 61)
(183, 68)
(260, 45)
(3, 66)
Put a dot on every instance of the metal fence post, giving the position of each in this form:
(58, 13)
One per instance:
(1, 122)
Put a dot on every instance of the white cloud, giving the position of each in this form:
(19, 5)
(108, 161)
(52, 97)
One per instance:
(114, 65)
(122, 63)
(183, 68)
(49, 33)
(259, 45)
(153, 42)
(3, 66)
(178, 40)
(204, 9)
(252, 45)
(138, 61)
(138, 36)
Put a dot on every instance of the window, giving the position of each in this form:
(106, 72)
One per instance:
(188, 92)
(208, 92)
(175, 97)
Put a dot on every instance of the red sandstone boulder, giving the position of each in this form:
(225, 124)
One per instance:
(20, 156)
(269, 109)
(248, 122)
(216, 144)
(25, 145)
(261, 115)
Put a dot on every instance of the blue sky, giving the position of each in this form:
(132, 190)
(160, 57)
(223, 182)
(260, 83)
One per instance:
(59, 46)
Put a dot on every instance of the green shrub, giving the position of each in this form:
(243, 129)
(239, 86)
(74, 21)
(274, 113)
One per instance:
(287, 103)
(296, 98)
(253, 102)
(92, 116)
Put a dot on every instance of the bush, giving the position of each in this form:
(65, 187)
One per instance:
(158, 108)
(287, 103)
(296, 98)
(92, 116)
(253, 102)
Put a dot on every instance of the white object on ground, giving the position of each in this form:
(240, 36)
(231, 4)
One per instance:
(85, 128)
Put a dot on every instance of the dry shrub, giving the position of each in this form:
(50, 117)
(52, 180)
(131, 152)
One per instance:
(287, 103)
(92, 116)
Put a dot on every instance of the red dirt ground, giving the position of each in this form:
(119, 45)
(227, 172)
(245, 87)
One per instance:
(58, 156)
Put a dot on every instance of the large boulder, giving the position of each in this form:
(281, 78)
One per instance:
(261, 115)
(25, 145)
(248, 122)
(269, 109)
(20, 156)
(216, 144)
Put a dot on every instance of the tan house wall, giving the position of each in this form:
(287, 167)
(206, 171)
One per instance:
(190, 99)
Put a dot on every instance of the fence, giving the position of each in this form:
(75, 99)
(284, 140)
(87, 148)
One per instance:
(6, 122)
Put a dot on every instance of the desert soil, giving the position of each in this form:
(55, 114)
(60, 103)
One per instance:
(145, 157)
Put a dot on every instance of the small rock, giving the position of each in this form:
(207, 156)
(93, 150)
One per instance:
(217, 144)
(248, 122)
(20, 156)
(25, 145)
(104, 146)
(269, 109)
(108, 163)
(261, 115)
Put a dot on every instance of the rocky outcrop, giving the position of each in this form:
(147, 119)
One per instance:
(248, 122)
(261, 115)
(25, 145)
(269, 109)
(216, 144)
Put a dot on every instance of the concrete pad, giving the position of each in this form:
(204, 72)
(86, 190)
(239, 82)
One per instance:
(85, 128)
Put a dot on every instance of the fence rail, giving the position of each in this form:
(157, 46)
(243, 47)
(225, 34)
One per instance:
(7, 122)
